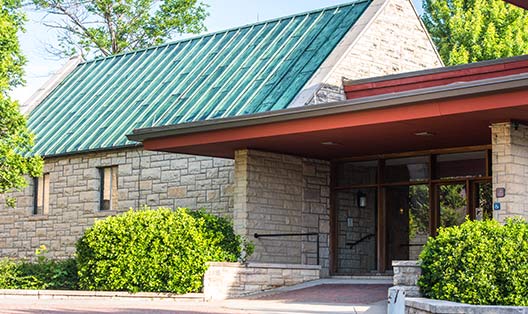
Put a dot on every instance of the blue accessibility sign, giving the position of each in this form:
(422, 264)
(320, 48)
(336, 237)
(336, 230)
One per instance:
(496, 206)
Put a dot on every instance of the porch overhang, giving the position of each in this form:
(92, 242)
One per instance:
(458, 114)
(520, 3)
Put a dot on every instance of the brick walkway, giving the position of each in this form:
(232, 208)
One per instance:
(327, 298)
(334, 293)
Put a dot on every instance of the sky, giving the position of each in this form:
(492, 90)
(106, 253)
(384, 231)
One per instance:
(223, 14)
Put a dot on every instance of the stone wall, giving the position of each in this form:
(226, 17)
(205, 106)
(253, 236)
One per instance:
(395, 41)
(361, 257)
(277, 193)
(225, 280)
(510, 169)
(151, 178)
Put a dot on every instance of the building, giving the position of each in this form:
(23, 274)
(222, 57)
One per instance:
(379, 172)
(293, 63)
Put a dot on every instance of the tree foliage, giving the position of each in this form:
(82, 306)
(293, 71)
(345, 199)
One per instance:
(475, 30)
(106, 27)
(15, 139)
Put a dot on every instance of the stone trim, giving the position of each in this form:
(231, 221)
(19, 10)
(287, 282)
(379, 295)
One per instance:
(426, 306)
(228, 280)
(406, 275)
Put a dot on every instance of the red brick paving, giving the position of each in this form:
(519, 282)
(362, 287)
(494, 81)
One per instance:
(333, 293)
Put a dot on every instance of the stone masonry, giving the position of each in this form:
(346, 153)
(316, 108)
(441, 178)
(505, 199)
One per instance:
(388, 38)
(226, 280)
(277, 193)
(395, 42)
(144, 178)
(510, 169)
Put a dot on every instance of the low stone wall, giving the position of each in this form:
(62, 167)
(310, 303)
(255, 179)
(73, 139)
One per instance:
(226, 280)
(406, 275)
(427, 306)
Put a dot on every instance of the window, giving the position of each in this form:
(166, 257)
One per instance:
(357, 173)
(410, 169)
(108, 196)
(41, 195)
(461, 165)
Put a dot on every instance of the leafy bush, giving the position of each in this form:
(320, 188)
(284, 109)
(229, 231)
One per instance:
(478, 262)
(154, 250)
(43, 274)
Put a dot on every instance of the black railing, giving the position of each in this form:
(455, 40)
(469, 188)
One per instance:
(273, 235)
(352, 244)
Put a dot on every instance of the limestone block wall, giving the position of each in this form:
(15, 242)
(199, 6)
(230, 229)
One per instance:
(510, 169)
(151, 178)
(396, 41)
(226, 280)
(360, 258)
(277, 193)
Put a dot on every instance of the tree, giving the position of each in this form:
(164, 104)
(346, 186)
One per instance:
(15, 139)
(475, 30)
(107, 27)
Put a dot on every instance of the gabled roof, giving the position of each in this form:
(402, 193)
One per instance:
(251, 69)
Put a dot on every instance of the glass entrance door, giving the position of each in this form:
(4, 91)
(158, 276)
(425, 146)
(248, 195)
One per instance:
(408, 221)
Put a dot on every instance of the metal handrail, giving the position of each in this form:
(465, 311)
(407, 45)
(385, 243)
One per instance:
(352, 244)
(271, 235)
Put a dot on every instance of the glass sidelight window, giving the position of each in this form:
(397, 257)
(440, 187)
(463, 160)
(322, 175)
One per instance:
(452, 203)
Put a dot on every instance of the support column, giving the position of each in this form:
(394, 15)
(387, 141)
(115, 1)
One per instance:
(510, 169)
(277, 193)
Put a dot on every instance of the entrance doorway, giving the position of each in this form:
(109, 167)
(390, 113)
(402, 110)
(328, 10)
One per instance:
(386, 208)
(408, 221)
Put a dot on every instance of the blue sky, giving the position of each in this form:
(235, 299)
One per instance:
(223, 14)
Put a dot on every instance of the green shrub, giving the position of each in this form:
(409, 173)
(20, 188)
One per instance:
(51, 274)
(154, 250)
(42, 274)
(478, 262)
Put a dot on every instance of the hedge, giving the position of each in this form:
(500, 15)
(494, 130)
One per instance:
(43, 274)
(159, 250)
(478, 262)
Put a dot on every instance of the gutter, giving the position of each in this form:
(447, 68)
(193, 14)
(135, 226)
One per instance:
(462, 89)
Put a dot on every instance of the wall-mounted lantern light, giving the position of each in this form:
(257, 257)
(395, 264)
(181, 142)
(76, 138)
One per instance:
(361, 199)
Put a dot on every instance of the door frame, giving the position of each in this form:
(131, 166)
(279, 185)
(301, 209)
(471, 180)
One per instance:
(381, 225)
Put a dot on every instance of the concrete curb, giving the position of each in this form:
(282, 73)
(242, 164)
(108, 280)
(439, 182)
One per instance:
(74, 294)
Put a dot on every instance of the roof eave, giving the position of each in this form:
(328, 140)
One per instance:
(360, 104)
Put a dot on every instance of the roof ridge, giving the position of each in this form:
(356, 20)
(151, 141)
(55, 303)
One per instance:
(198, 36)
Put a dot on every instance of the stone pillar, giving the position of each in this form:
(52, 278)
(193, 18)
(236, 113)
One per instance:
(510, 169)
(277, 193)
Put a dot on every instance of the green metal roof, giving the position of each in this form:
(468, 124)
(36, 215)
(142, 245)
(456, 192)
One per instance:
(254, 68)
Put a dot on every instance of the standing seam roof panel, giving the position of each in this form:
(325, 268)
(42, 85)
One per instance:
(255, 68)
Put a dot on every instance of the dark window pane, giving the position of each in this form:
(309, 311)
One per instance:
(453, 204)
(412, 169)
(483, 201)
(461, 165)
(355, 173)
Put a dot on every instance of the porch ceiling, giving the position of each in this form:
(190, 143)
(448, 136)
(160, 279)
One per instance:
(459, 119)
